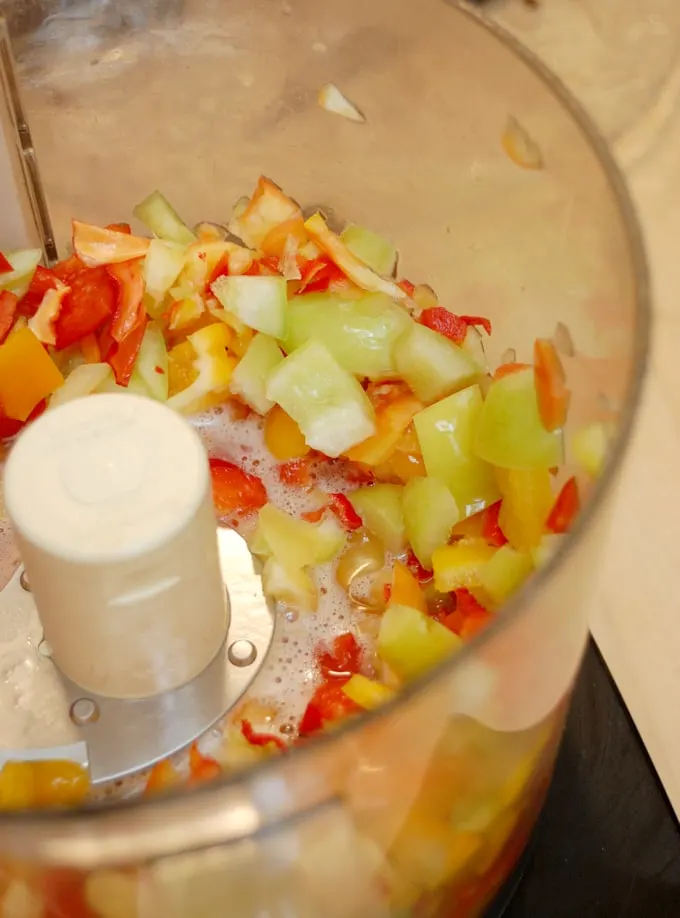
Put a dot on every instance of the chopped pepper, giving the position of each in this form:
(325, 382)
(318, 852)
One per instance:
(405, 588)
(212, 363)
(551, 390)
(235, 491)
(129, 310)
(491, 530)
(87, 305)
(342, 508)
(42, 783)
(395, 408)
(8, 311)
(527, 499)
(266, 209)
(260, 739)
(123, 356)
(97, 246)
(163, 776)
(43, 280)
(27, 374)
(201, 767)
(343, 660)
(283, 437)
(355, 269)
(565, 508)
(318, 274)
(329, 703)
(459, 565)
(367, 693)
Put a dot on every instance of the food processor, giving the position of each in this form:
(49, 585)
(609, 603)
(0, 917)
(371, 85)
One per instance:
(498, 190)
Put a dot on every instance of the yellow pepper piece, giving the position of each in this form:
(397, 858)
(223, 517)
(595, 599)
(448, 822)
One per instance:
(243, 335)
(213, 368)
(527, 501)
(181, 369)
(283, 437)
(42, 783)
(27, 374)
(458, 565)
(367, 693)
(185, 312)
(406, 590)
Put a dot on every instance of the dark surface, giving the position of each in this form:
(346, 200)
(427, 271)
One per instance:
(608, 845)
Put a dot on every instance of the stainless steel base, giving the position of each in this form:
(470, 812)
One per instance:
(45, 715)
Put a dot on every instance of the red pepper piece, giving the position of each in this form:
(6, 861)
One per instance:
(5, 265)
(506, 369)
(329, 703)
(202, 767)
(9, 427)
(312, 720)
(295, 472)
(343, 660)
(260, 739)
(565, 508)
(129, 311)
(478, 320)
(475, 616)
(120, 228)
(122, 357)
(407, 287)
(43, 280)
(235, 491)
(221, 269)
(342, 507)
(491, 531)
(416, 568)
(8, 312)
(69, 268)
(64, 894)
(450, 325)
(318, 274)
(387, 592)
(86, 306)
(445, 323)
(268, 265)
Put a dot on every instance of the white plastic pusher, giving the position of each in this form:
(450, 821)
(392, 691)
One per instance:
(110, 500)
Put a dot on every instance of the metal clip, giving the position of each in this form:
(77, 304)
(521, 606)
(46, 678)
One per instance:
(24, 216)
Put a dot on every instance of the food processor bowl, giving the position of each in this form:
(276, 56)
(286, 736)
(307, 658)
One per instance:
(499, 192)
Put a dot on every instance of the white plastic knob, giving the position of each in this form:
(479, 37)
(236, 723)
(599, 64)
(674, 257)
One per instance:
(110, 500)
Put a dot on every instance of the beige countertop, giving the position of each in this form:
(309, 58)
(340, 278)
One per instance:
(622, 59)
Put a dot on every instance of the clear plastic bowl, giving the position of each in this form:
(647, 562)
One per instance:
(424, 807)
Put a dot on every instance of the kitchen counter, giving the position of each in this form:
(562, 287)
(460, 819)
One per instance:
(622, 60)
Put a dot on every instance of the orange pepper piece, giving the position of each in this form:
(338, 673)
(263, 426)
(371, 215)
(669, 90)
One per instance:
(283, 437)
(551, 389)
(275, 240)
(163, 775)
(406, 590)
(565, 509)
(393, 414)
(506, 369)
(202, 767)
(27, 374)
